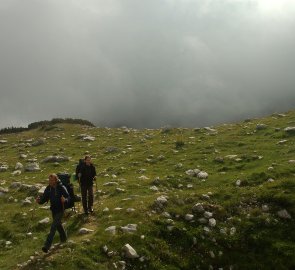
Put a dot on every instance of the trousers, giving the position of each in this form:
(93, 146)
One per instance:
(56, 225)
(87, 197)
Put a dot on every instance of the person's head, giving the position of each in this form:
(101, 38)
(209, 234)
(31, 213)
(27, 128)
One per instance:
(53, 180)
(87, 160)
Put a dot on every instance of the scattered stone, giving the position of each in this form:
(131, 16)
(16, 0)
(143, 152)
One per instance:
(85, 231)
(130, 228)
(238, 183)
(19, 166)
(54, 159)
(32, 167)
(290, 130)
(208, 214)
(265, 208)
(111, 230)
(23, 156)
(212, 222)
(111, 184)
(16, 173)
(154, 188)
(129, 252)
(284, 214)
(143, 177)
(261, 126)
(202, 175)
(198, 208)
(38, 142)
(44, 221)
(189, 217)
(3, 141)
(232, 231)
(203, 220)
(3, 168)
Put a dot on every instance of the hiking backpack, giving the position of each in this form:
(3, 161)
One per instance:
(65, 179)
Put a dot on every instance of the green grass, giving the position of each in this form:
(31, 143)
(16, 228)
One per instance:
(262, 240)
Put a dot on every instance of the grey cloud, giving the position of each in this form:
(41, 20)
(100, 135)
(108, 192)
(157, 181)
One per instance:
(144, 63)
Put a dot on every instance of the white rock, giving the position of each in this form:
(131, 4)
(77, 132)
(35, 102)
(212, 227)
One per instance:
(162, 199)
(238, 183)
(143, 177)
(3, 168)
(265, 208)
(41, 190)
(154, 188)
(189, 217)
(208, 214)
(212, 222)
(44, 221)
(111, 230)
(284, 214)
(17, 172)
(130, 252)
(85, 231)
(32, 167)
(202, 175)
(19, 166)
(232, 231)
(130, 228)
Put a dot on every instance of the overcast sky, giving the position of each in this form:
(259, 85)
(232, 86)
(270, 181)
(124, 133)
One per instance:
(145, 63)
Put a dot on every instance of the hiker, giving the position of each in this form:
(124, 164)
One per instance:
(87, 174)
(59, 197)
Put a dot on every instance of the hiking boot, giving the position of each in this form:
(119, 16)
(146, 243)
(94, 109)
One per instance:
(45, 249)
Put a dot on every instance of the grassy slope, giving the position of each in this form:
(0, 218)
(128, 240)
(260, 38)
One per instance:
(262, 240)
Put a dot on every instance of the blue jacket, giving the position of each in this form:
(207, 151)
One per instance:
(54, 195)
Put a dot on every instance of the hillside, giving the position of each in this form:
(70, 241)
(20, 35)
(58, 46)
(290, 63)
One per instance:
(204, 198)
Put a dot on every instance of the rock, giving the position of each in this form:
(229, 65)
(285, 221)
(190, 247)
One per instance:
(41, 190)
(88, 139)
(203, 220)
(32, 167)
(111, 149)
(130, 210)
(232, 231)
(38, 142)
(212, 222)
(154, 188)
(189, 217)
(261, 126)
(202, 175)
(284, 214)
(27, 201)
(120, 190)
(162, 199)
(3, 141)
(15, 185)
(4, 190)
(193, 173)
(265, 208)
(111, 184)
(106, 210)
(19, 166)
(238, 183)
(290, 130)
(130, 228)
(111, 230)
(54, 159)
(23, 156)
(211, 130)
(270, 180)
(129, 252)
(292, 161)
(198, 208)
(44, 221)
(205, 197)
(3, 168)
(17, 172)
(282, 142)
(85, 231)
(208, 214)
(143, 177)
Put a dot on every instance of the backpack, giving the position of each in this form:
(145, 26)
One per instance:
(78, 168)
(65, 180)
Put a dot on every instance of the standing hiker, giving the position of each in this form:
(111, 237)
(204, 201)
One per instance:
(59, 197)
(87, 174)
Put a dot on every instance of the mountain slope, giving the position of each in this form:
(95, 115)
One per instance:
(239, 217)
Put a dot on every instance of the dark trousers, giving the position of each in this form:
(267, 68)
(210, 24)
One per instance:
(56, 225)
(87, 197)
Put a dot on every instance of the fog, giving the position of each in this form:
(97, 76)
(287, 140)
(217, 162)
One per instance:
(146, 63)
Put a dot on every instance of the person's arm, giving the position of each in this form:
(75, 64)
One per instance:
(45, 196)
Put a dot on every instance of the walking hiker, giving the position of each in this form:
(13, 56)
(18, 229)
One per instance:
(87, 174)
(59, 197)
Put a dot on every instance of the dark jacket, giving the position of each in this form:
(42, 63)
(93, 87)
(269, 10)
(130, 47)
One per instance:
(54, 195)
(88, 172)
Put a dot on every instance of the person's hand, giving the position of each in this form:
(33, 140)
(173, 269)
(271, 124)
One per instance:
(38, 199)
(62, 199)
